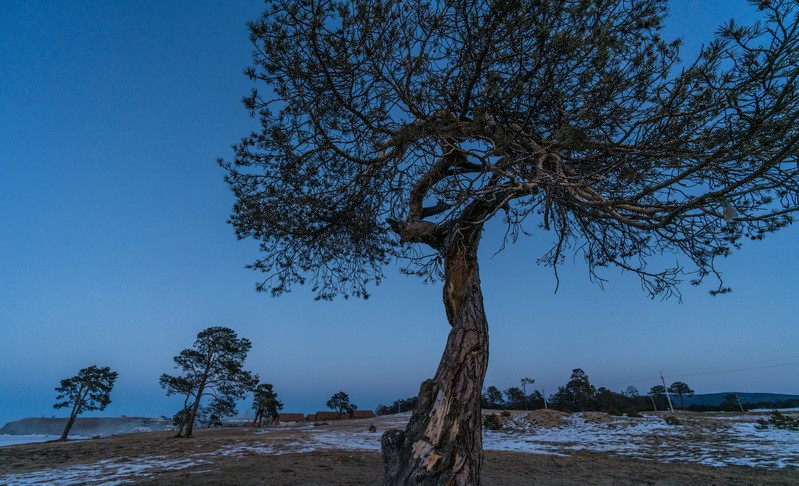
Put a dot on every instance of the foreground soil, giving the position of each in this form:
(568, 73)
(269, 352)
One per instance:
(249, 456)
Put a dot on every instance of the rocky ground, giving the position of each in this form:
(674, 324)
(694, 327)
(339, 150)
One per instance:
(532, 448)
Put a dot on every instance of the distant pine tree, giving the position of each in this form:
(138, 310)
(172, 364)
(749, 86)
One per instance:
(90, 389)
(213, 367)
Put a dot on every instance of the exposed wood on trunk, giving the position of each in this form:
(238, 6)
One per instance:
(442, 443)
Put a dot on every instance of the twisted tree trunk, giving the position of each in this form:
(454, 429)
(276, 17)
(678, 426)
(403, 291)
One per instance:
(442, 444)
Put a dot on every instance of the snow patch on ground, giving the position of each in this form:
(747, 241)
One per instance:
(274, 449)
(575, 435)
(106, 472)
(650, 437)
(715, 441)
(735, 441)
(359, 441)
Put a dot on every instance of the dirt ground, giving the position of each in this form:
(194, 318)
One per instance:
(278, 457)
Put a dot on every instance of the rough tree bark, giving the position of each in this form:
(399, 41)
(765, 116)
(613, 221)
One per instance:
(442, 444)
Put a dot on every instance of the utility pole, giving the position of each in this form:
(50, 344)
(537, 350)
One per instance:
(739, 403)
(653, 402)
(663, 380)
(544, 394)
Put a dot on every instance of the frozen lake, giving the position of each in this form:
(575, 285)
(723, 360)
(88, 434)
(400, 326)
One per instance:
(7, 440)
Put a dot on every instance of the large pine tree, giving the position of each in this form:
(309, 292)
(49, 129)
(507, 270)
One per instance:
(393, 131)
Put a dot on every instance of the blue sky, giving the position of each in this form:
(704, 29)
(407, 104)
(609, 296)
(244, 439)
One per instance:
(115, 250)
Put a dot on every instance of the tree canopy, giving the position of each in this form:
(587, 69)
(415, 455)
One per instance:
(492, 398)
(213, 367)
(389, 122)
(340, 402)
(265, 403)
(577, 394)
(682, 390)
(89, 390)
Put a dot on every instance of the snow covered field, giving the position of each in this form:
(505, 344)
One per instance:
(717, 440)
(649, 437)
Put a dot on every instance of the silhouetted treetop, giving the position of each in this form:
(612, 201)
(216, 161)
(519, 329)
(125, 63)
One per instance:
(391, 122)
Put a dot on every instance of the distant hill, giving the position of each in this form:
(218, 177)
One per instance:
(85, 426)
(715, 399)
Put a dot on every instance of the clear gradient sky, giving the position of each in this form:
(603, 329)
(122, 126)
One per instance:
(114, 247)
